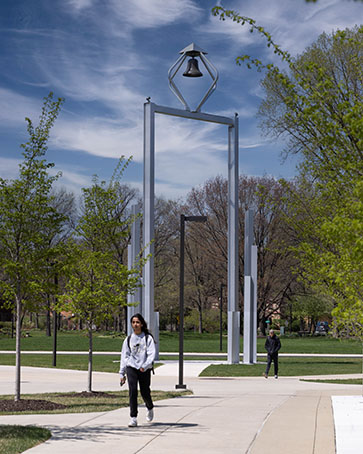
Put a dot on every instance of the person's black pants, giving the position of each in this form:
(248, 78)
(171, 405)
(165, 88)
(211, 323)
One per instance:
(275, 358)
(134, 376)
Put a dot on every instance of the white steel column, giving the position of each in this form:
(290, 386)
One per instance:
(233, 313)
(148, 211)
(254, 302)
(248, 293)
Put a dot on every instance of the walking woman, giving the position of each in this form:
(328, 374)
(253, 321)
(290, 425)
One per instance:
(137, 356)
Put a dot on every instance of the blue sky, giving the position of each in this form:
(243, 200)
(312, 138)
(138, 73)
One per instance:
(105, 57)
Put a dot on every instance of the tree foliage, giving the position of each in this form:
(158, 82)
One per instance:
(97, 279)
(26, 218)
(318, 105)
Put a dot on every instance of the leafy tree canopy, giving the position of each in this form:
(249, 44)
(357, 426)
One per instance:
(318, 106)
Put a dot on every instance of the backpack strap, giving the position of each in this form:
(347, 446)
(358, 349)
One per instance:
(146, 336)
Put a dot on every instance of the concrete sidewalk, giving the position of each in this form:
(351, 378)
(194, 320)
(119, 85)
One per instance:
(224, 415)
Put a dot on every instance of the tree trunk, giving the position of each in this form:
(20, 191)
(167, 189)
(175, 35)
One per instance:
(12, 324)
(200, 328)
(125, 316)
(36, 321)
(90, 348)
(17, 354)
(55, 326)
(302, 324)
(171, 321)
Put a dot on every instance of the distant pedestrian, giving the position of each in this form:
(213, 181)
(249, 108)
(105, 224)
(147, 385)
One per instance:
(272, 345)
(137, 356)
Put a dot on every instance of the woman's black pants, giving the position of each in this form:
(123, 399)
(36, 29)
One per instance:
(134, 376)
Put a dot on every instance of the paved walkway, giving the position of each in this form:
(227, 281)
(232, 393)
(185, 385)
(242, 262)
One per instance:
(224, 415)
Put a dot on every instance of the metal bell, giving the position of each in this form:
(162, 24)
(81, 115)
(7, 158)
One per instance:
(192, 69)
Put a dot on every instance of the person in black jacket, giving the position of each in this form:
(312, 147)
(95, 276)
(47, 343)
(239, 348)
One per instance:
(272, 345)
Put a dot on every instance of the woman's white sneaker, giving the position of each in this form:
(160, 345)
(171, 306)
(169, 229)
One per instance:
(133, 422)
(150, 415)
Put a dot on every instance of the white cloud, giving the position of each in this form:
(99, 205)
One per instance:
(72, 180)
(292, 24)
(14, 107)
(146, 14)
(99, 137)
(9, 168)
(79, 5)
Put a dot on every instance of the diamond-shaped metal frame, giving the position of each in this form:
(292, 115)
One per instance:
(192, 51)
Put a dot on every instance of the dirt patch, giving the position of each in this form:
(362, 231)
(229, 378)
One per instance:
(29, 405)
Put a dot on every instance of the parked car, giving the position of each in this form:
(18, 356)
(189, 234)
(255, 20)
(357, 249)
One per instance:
(322, 328)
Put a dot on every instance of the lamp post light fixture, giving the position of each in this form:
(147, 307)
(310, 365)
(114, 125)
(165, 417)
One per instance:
(183, 219)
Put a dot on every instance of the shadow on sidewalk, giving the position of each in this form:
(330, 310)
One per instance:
(98, 433)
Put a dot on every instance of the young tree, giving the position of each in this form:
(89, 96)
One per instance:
(98, 281)
(26, 214)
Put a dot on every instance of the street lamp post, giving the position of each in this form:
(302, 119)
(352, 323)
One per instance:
(221, 318)
(183, 219)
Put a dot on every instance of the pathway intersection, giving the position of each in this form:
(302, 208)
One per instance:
(224, 415)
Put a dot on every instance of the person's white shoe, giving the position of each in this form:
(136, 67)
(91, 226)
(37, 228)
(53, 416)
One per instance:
(133, 422)
(150, 415)
(276, 376)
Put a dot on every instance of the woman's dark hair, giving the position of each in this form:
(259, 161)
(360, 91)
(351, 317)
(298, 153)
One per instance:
(144, 328)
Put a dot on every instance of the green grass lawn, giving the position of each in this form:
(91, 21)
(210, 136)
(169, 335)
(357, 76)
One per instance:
(101, 363)
(169, 342)
(288, 367)
(99, 402)
(340, 381)
(15, 439)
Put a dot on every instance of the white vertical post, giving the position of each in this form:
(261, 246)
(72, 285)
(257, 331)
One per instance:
(233, 314)
(248, 346)
(247, 316)
(148, 219)
(254, 302)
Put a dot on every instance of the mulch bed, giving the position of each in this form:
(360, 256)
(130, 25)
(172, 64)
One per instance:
(29, 405)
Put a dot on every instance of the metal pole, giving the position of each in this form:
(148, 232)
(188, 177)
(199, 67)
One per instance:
(54, 338)
(180, 385)
(254, 301)
(148, 220)
(220, 318)
(248, 291)
(233, 313)
(55, 327)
